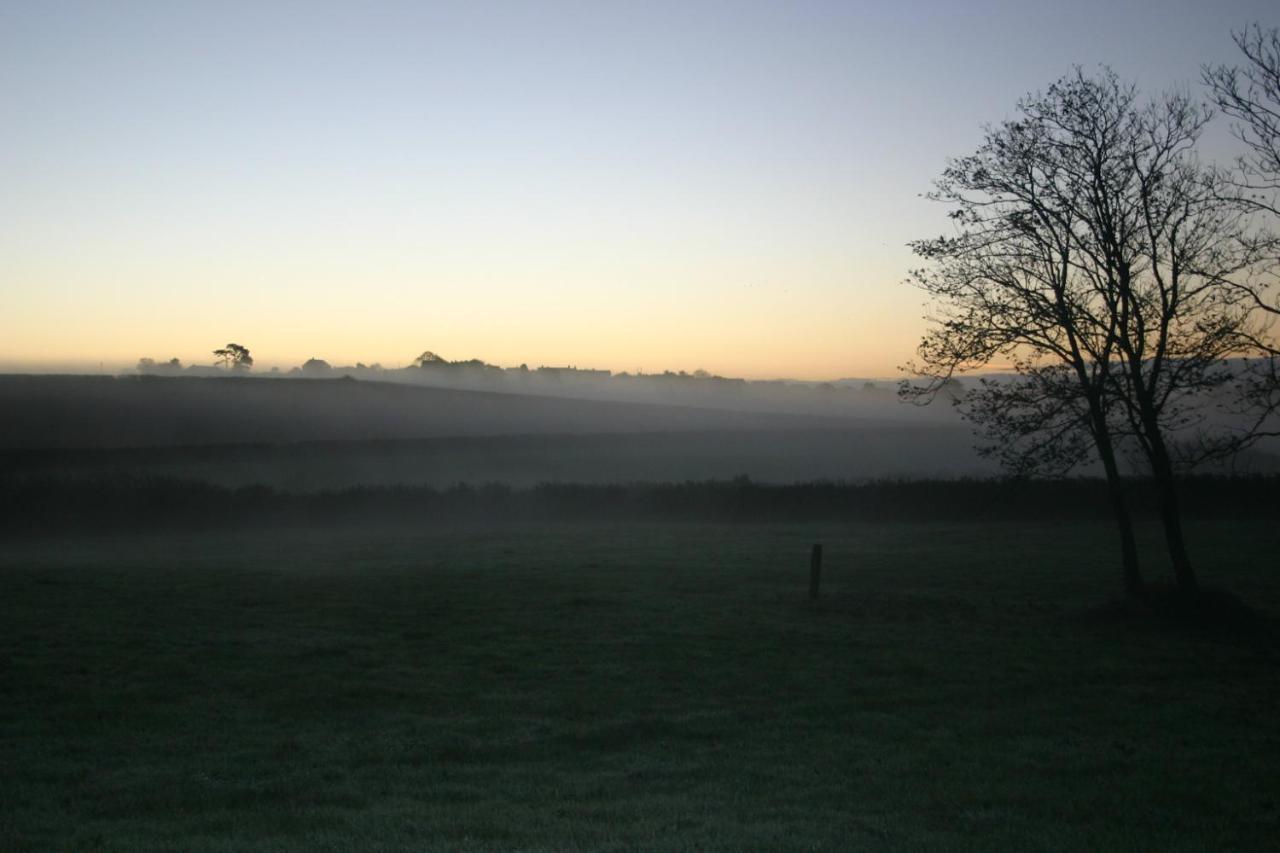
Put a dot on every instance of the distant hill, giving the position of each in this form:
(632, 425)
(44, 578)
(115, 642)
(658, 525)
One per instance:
(119, 412)
(308, 434)
(773, 456)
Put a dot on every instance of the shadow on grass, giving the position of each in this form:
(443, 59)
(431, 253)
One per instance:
(1212, 613)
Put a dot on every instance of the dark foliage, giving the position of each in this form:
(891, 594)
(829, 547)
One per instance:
(35, 505)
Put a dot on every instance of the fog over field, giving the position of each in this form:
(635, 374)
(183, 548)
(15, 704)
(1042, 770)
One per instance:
(572, 427)
(81, 411)
(304, 434)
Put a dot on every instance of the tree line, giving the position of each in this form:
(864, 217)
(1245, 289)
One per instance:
(124, 503)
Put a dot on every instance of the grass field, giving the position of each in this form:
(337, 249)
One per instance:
(630, 687)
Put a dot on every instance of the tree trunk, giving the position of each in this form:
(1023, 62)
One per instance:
(1171, 517)
(1134, 586)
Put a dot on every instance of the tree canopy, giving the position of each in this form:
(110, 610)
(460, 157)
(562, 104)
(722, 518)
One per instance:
(234, 357)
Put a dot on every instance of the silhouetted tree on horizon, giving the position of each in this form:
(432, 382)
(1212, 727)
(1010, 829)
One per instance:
(234, 357)
(151, 366)
(317, 367)
(430, 359)
(1104, 263)
(1250, 96)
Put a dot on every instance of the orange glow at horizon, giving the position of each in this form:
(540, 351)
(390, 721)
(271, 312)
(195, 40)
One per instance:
(621, 186)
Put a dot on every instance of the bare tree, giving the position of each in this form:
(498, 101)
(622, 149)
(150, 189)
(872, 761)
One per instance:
(1250, 96)
(1096, 257)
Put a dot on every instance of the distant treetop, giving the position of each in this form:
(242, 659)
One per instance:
(316, 367)
(429, 358)
(234, 357)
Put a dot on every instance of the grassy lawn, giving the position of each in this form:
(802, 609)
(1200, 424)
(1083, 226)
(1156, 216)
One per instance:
(633, 687)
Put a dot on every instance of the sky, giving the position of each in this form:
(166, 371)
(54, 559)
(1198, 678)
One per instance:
(632, 186)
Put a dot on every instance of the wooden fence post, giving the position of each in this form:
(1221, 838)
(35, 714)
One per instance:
(815, 570)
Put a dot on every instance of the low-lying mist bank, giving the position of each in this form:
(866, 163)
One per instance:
(850, 397)
(34, 506)
(115, 412)
(312, 435)
(780, 456)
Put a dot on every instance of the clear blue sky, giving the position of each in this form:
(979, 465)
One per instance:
(625, 185)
